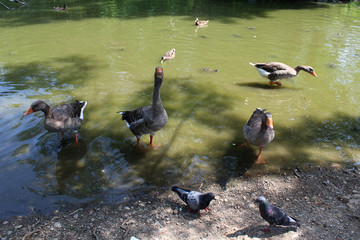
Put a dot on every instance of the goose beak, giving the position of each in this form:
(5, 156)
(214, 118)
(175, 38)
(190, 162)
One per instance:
(159, 72)
(314, 74)
(30, 110)
(269, 123)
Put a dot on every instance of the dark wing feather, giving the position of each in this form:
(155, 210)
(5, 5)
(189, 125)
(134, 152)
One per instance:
(135, 115)
(182, 193)
(279, 217)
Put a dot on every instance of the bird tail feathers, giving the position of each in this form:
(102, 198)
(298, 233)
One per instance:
(294, 221)
(181, 192)
(125, 116)
(82, 109)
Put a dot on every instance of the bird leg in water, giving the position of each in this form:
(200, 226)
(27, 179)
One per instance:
(76, 138)
(138, 143)
(62, 135)
(207, 209)
(151, 140)
(276, 82)
(244, 144)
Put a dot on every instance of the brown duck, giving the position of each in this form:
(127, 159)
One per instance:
(275, 71)
(148, 119)
(60, 8)
(169, 55)
(259, 131)
(64, 118)
(201, 23)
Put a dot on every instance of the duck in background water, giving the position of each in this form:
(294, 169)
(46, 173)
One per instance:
(201, 23)
(168, 56)
(60, 8)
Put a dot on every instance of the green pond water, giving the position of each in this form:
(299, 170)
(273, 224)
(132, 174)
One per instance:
(106, 52)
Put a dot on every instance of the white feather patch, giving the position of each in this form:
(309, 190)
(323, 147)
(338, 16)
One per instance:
(82, 110)
(263, 73)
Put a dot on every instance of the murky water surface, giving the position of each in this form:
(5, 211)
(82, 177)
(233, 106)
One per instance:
(106, 53)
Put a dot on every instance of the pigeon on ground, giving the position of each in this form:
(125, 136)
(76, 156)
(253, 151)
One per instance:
(274, 215)
(195, 200)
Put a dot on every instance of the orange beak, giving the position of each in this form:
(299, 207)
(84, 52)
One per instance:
(159, 71)
(314, 74)
(30, 110)
(269, 123)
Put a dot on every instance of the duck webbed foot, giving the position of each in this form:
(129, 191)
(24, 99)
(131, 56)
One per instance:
(275, 82)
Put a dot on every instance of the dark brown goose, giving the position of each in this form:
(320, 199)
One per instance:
(64, 118)
(169, 55)
(275, 71)
(148, 119)
(201, 23)
(259, 131)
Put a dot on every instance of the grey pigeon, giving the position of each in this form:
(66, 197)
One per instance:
(274, 215)
(195, 200)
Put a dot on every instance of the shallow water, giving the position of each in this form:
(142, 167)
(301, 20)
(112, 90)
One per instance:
(106, 53)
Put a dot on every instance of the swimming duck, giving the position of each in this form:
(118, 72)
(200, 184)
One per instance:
(275, 71)
(64, 118)
(259, 131)
(60, 8)
(148, 119)
(169, 55)
(201, 23)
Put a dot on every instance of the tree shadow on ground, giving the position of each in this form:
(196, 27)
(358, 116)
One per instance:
(256, 231)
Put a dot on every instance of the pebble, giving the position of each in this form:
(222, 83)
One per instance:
(126, 208)
(76, 216)
(5, 222)
(57, 224)
(9, 232)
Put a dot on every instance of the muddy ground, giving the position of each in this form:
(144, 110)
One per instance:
(326, 201)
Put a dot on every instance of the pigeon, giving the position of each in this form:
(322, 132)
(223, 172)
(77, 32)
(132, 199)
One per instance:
(274, 215)
(195, 200)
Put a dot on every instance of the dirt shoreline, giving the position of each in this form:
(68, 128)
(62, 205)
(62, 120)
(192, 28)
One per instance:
(326, 201)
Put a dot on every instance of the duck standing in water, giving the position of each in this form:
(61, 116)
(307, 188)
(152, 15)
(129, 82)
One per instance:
(64, 118)
(169, 55)
(201, 23)
(259, 131)
(275, 71)
(148, 119)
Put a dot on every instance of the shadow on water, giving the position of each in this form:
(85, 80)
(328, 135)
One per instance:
(42, 13)
(339, 133)
(261, 85)
(43, 76)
